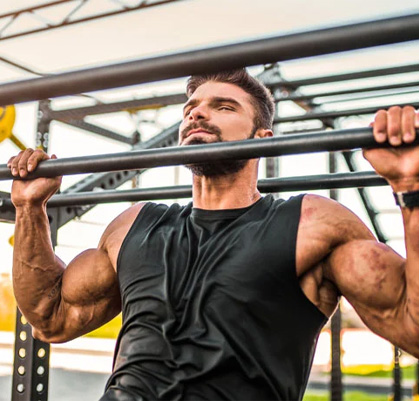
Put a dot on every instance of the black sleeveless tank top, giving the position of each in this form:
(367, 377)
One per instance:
(212, 307)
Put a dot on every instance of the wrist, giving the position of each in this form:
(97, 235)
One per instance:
(405, 184)
(25, 208)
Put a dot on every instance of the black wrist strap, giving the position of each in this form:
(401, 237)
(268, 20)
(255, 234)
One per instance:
(407, 199)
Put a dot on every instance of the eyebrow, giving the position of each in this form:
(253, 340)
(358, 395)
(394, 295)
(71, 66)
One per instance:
(214, 101)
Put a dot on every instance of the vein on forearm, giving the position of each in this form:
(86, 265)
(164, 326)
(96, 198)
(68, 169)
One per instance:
(37, 272)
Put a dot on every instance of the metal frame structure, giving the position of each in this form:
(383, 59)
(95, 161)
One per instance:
(78, 199)
(66, 15)
(250, 53)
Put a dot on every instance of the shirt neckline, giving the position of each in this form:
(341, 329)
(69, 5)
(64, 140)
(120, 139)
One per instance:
(209, 214)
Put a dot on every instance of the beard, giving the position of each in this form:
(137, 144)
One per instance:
(219, 168)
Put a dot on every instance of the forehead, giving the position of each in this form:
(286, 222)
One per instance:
(213, 89)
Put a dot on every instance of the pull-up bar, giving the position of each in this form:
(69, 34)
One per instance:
(288, 184)
(249, 149)
(262, 51)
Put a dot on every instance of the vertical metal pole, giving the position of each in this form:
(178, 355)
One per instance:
(31, 356)
(272, 163)
(336, 387)
(397, 376)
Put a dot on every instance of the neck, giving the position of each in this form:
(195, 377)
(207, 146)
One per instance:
(227, 192)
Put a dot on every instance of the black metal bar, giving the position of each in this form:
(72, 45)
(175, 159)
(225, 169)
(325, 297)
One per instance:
(318, 115)
(379, 72)
(397, 376)
(288, 184)
(262, 51)
(299, 96)
(365, 96)
(336, 387)
(102, 108)
(106, 133)
(276, 146)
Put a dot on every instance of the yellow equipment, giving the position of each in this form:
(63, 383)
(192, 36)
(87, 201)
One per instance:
(7, 120)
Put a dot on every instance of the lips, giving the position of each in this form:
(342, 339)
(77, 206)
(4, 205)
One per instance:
(197, 131)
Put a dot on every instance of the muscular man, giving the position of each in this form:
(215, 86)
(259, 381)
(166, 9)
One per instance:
(223, 298)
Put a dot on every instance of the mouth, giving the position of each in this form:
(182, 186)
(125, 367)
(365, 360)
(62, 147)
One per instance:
(197, 131)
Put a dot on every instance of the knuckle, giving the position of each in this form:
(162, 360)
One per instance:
(395, 109)
(409, 108)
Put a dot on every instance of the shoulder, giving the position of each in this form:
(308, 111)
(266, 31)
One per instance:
(324, 225)
(334, 220)
(118, 228)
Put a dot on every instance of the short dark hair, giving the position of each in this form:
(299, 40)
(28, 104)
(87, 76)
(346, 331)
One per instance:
(262, 99)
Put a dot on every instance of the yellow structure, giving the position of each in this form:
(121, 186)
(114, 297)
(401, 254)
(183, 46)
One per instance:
(7, 121)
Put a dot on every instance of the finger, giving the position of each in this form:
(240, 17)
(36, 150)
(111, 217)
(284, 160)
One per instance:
(408, 124)
(23, 162)
(9, 163)
(380, 126)
(14, 163)
(394, 125)
(35, 158)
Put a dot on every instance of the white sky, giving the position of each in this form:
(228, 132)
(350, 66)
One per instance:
(171, 28)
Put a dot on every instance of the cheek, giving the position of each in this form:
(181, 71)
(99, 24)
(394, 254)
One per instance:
(241, 127)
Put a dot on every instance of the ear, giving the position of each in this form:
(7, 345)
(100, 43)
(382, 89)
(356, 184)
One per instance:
(263, 133)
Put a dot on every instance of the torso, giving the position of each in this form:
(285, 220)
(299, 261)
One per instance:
(317, 236)
(187, 277)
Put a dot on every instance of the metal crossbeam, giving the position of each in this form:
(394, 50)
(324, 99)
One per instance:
(63, 15)
(154, 102)
(300, 96)
(379, 72)
(320, 115)
(256, 52)
(104, 132)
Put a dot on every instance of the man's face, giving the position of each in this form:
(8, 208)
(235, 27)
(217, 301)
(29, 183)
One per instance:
(217, 112)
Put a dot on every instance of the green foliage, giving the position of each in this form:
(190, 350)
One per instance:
(348, 396)
(408, 372)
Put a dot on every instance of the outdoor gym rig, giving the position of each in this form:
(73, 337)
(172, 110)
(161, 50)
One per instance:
(30, 376)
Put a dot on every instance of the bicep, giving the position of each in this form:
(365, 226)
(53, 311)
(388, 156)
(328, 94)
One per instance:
(371, 276)
(88, 296)
(88, 292)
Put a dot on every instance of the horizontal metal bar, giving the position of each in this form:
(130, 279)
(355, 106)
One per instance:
(262, 51)
(299, 96)
(152, 102)
(249, 149)
(99, 131)
(289, 184)
(317, 115)
(367, 95)
(379, 72)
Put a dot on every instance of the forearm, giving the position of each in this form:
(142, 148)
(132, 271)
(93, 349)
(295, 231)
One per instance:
(37, 272)
(411, 228)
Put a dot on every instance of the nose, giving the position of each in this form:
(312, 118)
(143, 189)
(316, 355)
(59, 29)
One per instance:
(198, 113)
